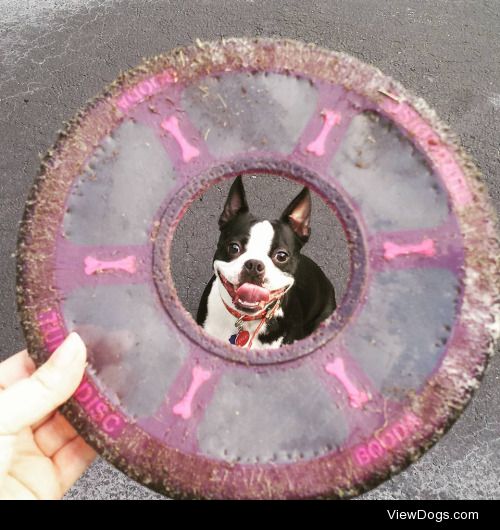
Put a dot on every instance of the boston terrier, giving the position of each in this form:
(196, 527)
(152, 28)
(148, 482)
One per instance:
(264, 292)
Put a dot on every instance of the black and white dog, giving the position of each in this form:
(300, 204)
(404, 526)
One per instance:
(264, 292)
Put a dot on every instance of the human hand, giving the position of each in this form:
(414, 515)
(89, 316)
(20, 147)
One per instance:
(41, 454)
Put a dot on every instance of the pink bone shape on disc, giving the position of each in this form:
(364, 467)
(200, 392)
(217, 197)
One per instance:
(184, 407)
(357, 398)
(93, 265)
(331, 118)
(393, 250)
(171, 125)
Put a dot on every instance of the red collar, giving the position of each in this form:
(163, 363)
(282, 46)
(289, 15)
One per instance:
(263, 316)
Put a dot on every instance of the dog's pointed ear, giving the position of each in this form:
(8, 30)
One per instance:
(298, 215)
(236, 202)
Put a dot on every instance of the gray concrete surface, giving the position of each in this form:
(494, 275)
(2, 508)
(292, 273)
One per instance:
(57, 54)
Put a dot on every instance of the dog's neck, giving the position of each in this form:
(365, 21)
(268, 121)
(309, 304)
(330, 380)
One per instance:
(220, 322)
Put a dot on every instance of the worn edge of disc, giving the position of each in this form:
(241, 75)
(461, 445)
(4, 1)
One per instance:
(477, 225)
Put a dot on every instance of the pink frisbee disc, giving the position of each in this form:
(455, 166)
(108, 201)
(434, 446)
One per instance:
(326, 417)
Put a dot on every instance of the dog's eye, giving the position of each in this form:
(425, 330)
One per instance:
(281, 256)
(233, 249)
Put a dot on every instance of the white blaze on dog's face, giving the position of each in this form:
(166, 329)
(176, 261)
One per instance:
(252, 265)
(256, 260)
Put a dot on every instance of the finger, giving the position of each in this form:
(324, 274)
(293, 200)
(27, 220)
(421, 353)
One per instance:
(29, 400)
(12, 489)
(45, 419)
(71, 461)
(6, 454)
(54, 434)
(17, 367)
(36, 473)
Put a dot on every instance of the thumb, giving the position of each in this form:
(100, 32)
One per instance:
(29, 400)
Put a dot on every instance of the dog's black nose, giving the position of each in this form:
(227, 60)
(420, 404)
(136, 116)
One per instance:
(255, 266)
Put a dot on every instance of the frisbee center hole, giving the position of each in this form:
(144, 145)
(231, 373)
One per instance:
(197, 234)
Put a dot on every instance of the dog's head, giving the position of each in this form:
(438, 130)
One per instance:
(256, 259)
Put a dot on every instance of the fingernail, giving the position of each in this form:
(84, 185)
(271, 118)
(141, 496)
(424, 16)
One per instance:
(68, 351)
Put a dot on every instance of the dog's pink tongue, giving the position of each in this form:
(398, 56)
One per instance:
(248, 292)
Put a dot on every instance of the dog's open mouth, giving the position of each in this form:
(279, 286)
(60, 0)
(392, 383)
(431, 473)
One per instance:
(250, 297)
